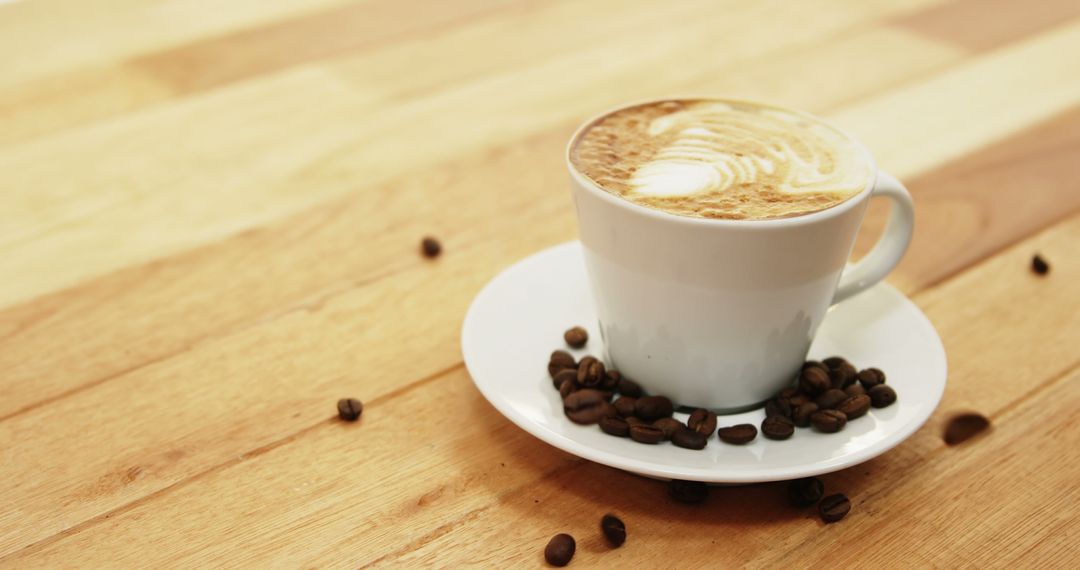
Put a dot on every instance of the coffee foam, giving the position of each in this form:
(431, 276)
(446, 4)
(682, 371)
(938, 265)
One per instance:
(721, 159)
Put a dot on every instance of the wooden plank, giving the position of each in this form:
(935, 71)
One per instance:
(985, 24)
(492, 475)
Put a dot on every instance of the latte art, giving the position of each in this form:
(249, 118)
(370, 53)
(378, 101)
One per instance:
(721, 159)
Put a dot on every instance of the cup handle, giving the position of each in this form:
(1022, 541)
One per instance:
(890, 248)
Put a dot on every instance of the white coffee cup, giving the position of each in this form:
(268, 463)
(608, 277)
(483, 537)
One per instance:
(718, 313)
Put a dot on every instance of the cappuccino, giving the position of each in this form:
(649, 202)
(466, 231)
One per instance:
(721, 159)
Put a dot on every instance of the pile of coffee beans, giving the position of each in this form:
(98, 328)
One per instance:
(828, 395)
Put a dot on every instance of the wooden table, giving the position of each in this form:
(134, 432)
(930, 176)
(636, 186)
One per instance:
(210, 221)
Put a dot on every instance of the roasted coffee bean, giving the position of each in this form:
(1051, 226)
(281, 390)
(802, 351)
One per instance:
(833, 362)
(855, 406)
(798, 400)
(689, 439)
(814, 364)
(830, 399)
(576, 337)
(608, 395)
(690, 492)
(737, 434)
(1039, 265)
(702, 421)
(805, 492)
(834, 507)
(651, 408)
(634, 421)
(349, 409)
(614, 530)
(814, 381)
(611, 380)
(625, 406)
(628, 387)
(801, 414)
(567, 388)
(828, 421)
(855, 389)
(560, 360)
(788, 393)
(778, 407)
(585, 406)
(564, 375)
(645, 433)
(430, 247)
(615, 426)
(871, 377)
(560, 549)
(777, 427)
(590, 372)
(882, 396)
(964, 427)
(843, 375)
(670, 426)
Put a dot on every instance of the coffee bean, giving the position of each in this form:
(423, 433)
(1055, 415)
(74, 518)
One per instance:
(560, 360)
(814, 381)
(834, 507)
(576, 337)
(585, 406)
(349, 409)
(430, 247)
(964, 427)
(871, 377)
(737, 434)
(882, 396)
(634, 421)
(568, 387)
(690, 439)
(608, 395)
(843, 375)
(564, 375)
(651, 408)
(788, 393)
(805, 492)
(814, 364)
(834, 362)
(830, 399)
(690, 492)
(670, 426)
(611, 380)
(855, 406)
(798, 400)
(628, 387)
(778, 407)
(615, 426)
(625, 406)
(855, 389)
(560, 549)
(614, 530)
(702, 421)
(646, 434)
(801, 414)
(1039, 265)
(828, 421)
(777, 427)
(590, 372)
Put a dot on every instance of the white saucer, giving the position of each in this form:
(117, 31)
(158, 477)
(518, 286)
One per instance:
(519, 317)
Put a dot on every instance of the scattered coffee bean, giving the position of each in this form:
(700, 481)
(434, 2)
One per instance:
(788, 393)
(689, 439)
(834, 507)
(615, 426)
(670, 426)
(611, 380)
(882, 396)
(814, 381)
(567, 388)
(590, 372)
(564, 375)
(625, 406)
(651, 408)
(855, 406)
(645, 433)
(628, 387)
(801, 414)
(702, 421)
(855, 389)
(871, 377)
(828, 421)
(560, 549)
(798, 400)
(430, 247)
(737, 434)
(964, 427)
(349, 409)
(614, 530)
(585, 406)
(777, 427)
(576, 337)
(690, 492)
(843, 375)
(829, 399)
(1039, 265)
(560, 360)
(778, 407)
(805, 492)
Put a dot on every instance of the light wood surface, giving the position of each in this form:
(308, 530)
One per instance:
(209, 228)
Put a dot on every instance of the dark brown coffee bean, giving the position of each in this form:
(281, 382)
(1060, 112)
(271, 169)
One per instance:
(1039, 265)
(798, 400)
(737, 434)
(834, 507)
(634, 421)
(788, 393)
(615, 426)
(652, 408)
(828, 421)
(560, 549)
(430, 247)
(625, 406)
(564, 375)
(670, 426)
(855, 406)
(814, 364)
(830, 399)
(777, 427)
(628, 387)
(614, 530)
(567, 388)
(690, 492)
(834, 362)
(778, 407)
(843, 375)
(611, 380)
(560, 360)
(814, 381)
(805, 492)
(585, 406)
(702, 421)
(576, 337)
(349, 409)
(646, 434)
(855, 389)
(801, 414)
(882, 396)
(689, 439)
(871, 377)
(964, 427)
(590, 372)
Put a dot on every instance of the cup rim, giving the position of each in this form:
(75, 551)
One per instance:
(661, 215)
